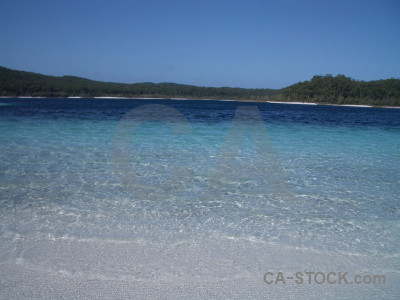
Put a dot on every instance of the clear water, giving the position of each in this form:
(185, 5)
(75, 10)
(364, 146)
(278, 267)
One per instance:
(191, 218)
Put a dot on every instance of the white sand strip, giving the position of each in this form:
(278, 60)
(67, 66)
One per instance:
(281, 102)
(355, 105)
(106, 97)
(24, 97)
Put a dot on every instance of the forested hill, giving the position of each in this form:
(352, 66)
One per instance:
(320, 89)
(18, 83)
(344, 90)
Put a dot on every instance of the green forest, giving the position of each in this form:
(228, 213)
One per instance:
(345, 90)
(324, 89)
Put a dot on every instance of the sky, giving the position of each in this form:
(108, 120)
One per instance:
(250, 44)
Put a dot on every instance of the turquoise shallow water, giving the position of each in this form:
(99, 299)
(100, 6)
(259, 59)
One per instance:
(197, 213)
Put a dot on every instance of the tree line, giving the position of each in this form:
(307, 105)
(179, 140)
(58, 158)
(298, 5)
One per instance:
(345, 90)
(321, 89)
(19, 83)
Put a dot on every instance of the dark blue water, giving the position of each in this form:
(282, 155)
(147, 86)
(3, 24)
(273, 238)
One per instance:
(202, 110)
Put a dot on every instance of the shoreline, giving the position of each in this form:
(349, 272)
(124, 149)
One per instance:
(195, 99)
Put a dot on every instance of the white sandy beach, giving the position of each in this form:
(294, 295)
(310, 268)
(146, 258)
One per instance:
(356, 105)
(101, 269)
(28, 97)
(107, 97)
(282, 102)
(228, 100)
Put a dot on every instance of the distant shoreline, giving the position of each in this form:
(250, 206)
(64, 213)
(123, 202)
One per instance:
(196, 99)
(321, 89)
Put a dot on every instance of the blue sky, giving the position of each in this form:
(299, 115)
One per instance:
(252, 44)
